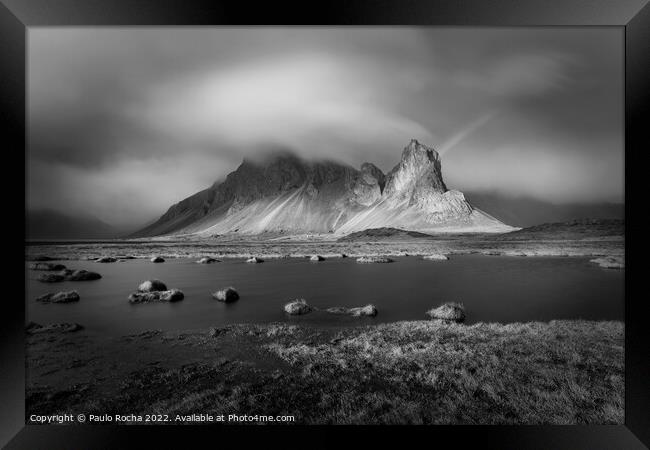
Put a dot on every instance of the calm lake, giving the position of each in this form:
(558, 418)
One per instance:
(492, 288)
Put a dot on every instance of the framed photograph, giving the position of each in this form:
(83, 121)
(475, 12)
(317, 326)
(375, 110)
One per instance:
(363, 213)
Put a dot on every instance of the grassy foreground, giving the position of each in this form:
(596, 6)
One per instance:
(422, 372)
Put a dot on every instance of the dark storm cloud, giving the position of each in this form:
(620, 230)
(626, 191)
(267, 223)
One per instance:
(124, 122)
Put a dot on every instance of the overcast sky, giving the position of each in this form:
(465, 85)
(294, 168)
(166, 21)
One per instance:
(125, 122)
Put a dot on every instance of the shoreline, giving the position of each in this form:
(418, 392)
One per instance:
(429, 372)
(600, 247)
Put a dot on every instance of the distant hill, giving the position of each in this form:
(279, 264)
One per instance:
(573, 229)
(526, 211)
(377, 234)
(48, 224)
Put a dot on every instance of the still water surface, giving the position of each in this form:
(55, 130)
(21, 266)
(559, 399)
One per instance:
(492, 288)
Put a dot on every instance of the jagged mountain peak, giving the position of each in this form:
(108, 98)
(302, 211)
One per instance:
(419, 151)
(418, 172)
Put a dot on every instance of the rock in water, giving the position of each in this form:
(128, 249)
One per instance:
(157, 259)
(51, 277)
(172, 295)
(207, 260)
(368, 310)
(46, 266)
(374, 259)
(435, 258)
(144, 297)
(610, 262)
(449, 312)
(59, 297)
(298, 307)
(152, 286)
(316, 258)
(254, 260)
(106, 259)
(227, 295)
(83, 275)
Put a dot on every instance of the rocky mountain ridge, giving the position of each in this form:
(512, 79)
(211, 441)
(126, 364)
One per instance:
(285, 194)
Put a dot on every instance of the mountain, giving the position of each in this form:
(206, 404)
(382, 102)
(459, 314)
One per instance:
(526, 211)
(47, 224)
(285, 194)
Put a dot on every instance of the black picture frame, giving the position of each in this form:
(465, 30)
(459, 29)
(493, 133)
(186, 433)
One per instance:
(16, 16)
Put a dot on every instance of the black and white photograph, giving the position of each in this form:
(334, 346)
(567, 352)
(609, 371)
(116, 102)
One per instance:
(327, 225)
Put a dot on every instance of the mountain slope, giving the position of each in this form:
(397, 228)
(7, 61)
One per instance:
(284, 194)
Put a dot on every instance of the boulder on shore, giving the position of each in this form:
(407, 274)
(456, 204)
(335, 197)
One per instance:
(106, 259)
(226, 295)
(207, 260)
(63, 327)
(316, 258)
(157, 259)
(46, 266)
(368, 310)
(254, 260)
(374, 259)
(152, 286)
(172, 295)
(59, 297)
(298, 307)
(435, 257)
(448, 312)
